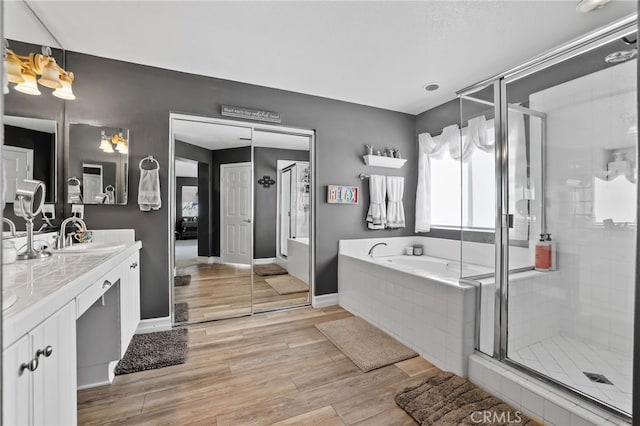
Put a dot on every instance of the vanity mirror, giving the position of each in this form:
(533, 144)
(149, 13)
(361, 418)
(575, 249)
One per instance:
(29, 152)
(97, 165)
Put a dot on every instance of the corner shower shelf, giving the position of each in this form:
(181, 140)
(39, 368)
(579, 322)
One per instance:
(388, 162)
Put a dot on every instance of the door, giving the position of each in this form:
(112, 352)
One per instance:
(236, 213)
(91, 182)
(54, 382)
(285, 211)
(18, 166)
(16, 381)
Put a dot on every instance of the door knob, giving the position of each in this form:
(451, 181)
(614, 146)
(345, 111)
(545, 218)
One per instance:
(247, 220)
(46, 352)
(31, 365)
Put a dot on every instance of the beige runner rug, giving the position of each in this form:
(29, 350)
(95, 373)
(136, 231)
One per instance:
(287, 284)
(368, 347)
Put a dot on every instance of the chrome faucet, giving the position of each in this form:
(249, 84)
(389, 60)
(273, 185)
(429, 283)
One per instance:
(12, 226)
(374, 246)
(60, 241)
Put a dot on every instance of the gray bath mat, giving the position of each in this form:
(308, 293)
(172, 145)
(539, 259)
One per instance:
(368, 347)
(269, 269)
(154, 350)
(445, 399)
(180, 280)
(181, 312)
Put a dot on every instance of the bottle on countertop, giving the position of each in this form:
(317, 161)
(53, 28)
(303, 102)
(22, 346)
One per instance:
(543, 254)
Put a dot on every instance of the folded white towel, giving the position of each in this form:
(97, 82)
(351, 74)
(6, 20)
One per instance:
(149, 190)
(377, 214)
(395, 208)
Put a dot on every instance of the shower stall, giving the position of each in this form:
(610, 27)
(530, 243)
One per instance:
(556, 153)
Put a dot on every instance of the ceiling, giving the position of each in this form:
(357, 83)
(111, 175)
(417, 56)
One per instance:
(37, 124)
(371, 53)
(186, 168)
(215, 136)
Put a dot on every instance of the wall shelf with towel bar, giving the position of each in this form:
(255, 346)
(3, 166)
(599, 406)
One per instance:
(379, 161)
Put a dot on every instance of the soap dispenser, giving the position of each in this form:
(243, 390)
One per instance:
(543, 254)
(553, 253)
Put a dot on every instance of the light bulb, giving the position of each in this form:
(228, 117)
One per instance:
(29, 85)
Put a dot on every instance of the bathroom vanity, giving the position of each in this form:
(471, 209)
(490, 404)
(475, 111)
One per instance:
(74, 317)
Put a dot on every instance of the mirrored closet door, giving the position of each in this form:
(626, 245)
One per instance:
(242, 215)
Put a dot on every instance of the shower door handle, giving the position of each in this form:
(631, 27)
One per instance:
(507, 221)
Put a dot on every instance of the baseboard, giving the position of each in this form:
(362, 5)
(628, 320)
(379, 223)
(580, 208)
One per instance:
(210, 259)
(264, 261)
(324, 300)
(154, 324)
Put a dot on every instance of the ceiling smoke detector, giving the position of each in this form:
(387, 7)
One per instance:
(431, 87)
(585, 6)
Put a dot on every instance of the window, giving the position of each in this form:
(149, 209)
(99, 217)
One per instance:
(464, 186)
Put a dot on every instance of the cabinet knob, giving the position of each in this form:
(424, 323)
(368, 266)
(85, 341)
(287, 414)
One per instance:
(46, 352)
(106, 284)
(31, 365)
(134, 265)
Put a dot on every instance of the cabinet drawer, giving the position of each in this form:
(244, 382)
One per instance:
(97, 289)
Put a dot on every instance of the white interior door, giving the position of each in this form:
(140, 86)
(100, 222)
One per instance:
(285, 211)
(236, 213)
(18, 166)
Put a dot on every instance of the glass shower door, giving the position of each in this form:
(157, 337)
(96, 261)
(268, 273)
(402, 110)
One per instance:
(572, 176)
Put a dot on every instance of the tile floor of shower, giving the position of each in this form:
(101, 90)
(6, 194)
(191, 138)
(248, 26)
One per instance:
(566, 360)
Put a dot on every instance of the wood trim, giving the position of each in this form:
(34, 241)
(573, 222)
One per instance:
(154, 324)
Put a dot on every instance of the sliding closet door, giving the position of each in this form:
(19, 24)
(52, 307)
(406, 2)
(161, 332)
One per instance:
(282, 200)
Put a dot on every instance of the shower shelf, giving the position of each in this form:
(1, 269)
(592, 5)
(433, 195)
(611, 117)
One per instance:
(378, 161)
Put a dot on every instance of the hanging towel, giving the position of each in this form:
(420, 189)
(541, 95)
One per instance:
(395, 208)
(149, 190)
(74, 195)
(377, 214)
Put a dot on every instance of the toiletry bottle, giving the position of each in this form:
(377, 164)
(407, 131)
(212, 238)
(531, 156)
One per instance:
(553, 253)
(543, 254)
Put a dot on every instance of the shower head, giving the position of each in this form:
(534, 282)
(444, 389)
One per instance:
(621, 56)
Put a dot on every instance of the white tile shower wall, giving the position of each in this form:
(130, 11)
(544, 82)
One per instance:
(434, 319)
(585, 121)
(536, 309)
(534, 398)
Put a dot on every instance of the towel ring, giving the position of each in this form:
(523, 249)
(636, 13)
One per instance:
(150, 159)
(74, 181)
(109, 188)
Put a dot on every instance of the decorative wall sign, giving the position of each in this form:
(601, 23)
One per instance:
(339, 194)
(266, 181)
(250, 114)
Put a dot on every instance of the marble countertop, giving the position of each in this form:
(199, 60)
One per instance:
(43, 286)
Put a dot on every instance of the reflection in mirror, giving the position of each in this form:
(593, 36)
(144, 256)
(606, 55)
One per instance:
(98, 164)
(282, 217)
(29, 152)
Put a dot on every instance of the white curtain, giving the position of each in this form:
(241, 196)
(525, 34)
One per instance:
(477, 133)
(427, 147)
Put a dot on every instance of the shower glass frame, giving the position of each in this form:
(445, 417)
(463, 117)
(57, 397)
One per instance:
(593, 40)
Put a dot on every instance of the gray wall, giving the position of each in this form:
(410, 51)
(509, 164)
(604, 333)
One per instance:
(120, 94)
(265, 218)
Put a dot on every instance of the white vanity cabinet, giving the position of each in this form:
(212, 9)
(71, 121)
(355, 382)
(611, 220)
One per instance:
(39, 373)
(129, 300)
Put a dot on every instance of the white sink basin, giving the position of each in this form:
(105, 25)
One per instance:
(91, 248)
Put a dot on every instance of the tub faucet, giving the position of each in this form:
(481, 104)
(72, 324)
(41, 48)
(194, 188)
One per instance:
(60, 241)
(374, 246)
(12, 226)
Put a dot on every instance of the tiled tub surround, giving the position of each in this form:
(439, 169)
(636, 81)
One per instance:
(536, 399)
(417, 299)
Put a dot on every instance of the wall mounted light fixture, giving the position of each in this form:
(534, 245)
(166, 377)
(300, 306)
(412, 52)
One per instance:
(107, 143)
(23, 71)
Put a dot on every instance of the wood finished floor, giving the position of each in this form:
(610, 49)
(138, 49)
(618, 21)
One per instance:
(224, 290)
(272, 368)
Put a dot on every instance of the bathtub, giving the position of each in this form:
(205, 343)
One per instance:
(298, 258)
(420, 300)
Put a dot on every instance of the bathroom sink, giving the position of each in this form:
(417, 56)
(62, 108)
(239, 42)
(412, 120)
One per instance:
(91, 248)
